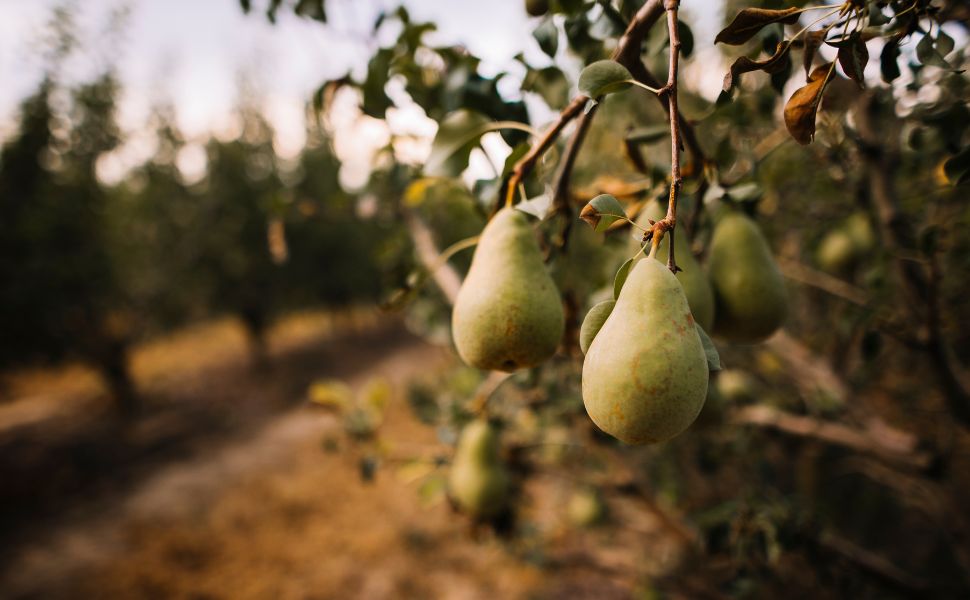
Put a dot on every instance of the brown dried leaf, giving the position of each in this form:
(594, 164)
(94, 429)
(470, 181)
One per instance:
(751, 20)
(803, 105)
(853, 58)
(772, 64)
(813, 41)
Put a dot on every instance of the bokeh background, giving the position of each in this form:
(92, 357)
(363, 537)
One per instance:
(225, 362)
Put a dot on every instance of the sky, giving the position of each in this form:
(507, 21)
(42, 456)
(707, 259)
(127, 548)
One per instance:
(193, 53)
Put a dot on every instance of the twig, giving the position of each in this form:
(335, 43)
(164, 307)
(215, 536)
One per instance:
(627, 53)
(879, 440)
(444, 275)
(808, 370)
(676, 180)
(802, 273)
(873, 563)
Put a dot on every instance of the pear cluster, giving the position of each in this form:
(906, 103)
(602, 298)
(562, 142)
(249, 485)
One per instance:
(645, 376)
(478, 482)
(646, 371)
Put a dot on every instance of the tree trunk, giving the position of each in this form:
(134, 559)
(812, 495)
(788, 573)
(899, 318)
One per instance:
(254, 320)
(117, 375)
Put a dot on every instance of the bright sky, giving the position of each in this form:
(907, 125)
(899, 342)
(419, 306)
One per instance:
(193, 52)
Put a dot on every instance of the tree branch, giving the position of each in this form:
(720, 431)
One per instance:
(670, 90)
(627, 53)
(878, 440)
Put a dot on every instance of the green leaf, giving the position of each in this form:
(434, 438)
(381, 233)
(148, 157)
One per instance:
(537, 207)
(927, 53)
(547, 36)
(944, 43)
(710, 351)
(604, 77)
(457, 135)
(602, 211)
(550, 83)
(745, 192)
(621, 274)
(593, 323)
(518, 152)
(750, 21)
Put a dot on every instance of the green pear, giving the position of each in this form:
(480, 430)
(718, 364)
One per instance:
(859, 229)
(836, 253)
(645, 374)
(735, 386)
(508, 314)
(477, 481)
(749, 293)
(700, 298)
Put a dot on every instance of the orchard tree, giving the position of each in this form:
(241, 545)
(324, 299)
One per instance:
(837, 431)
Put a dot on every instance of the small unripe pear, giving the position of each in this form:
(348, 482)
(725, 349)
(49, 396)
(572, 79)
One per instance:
(836, 252)
(478, 482)
(735, 386)
(749, 293)
(508, 314)
(645, 374)
(860, 231)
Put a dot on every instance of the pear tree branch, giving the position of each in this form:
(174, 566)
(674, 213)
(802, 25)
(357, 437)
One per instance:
(627, 53)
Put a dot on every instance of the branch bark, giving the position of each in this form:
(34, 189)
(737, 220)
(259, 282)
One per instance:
(879, 440)
(445, 276)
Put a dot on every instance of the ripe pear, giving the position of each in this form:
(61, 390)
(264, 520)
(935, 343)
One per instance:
(645, 374)
(477, 481)
(749, 294)
(700, 298)
(508, 314)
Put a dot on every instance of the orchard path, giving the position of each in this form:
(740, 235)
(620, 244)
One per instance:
(247, 502)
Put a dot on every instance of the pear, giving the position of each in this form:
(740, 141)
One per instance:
(736, 387)
(859, 229)
(477, 481)
(836, 253)
(749, 294)
(586, 508)
(700, 298)
(645, 374)
(508, 314)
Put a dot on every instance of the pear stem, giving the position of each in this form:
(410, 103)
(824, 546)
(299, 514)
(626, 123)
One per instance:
(668, 223)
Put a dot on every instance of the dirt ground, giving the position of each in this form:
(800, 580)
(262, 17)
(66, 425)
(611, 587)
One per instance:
(225, 487)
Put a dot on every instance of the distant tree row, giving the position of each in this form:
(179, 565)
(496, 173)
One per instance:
(88, 269)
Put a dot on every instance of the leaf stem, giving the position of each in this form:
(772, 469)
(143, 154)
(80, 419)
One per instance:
(644, 86)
